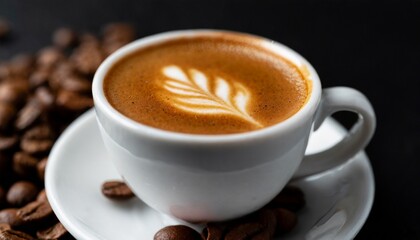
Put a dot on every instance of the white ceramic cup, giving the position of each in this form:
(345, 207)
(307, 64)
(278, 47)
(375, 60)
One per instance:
(218, 177)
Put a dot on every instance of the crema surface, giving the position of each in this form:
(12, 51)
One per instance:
(218, 84)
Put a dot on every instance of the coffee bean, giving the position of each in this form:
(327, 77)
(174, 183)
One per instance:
(5, 70)
(244, 231)
(45, 97)
(42, 196)
(28, 114)
(177, 232)
(21, 193)
(7, 114)
(63, 70)
(11, 234)
(4, 226)
(8, 142)
(24, 164)
(20, 82)
(35, 212)
(87, 58)
(49, 57)
(39, 77)
(12, 92)
(117, 190)
(264, 235)
(214, 231)
(286, 220)
(4, 28)
(42, 131)
(38, 139)
(64, 37)
(76, 84)
(55, 232)
(10, 217)
(22, 64)
(41, 168)
(72, 101)
(267, 218)
(290, 197)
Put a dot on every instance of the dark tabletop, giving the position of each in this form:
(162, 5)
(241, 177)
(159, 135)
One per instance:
(370, 46)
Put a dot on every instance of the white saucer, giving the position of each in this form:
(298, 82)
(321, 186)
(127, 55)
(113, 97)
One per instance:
(338, 201)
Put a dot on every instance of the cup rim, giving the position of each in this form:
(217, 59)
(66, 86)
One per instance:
(101, 103)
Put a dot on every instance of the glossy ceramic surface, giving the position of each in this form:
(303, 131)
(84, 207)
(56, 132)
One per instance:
(338, 201)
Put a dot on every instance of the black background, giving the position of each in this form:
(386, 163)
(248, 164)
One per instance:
(367, 45)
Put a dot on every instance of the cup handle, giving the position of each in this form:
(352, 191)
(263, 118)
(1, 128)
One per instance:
(333, 100)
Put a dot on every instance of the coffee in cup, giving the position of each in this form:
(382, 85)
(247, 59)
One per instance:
(216, 84)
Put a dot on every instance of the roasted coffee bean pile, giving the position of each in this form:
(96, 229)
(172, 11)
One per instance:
(40, 95)
(273, 220)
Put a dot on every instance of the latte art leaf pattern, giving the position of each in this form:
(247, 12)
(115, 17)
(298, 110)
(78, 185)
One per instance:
(190, 91)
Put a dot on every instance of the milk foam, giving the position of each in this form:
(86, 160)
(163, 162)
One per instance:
(220, 84)
(189, 90)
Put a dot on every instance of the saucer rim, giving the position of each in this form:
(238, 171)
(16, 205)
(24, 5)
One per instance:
(77, 231)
